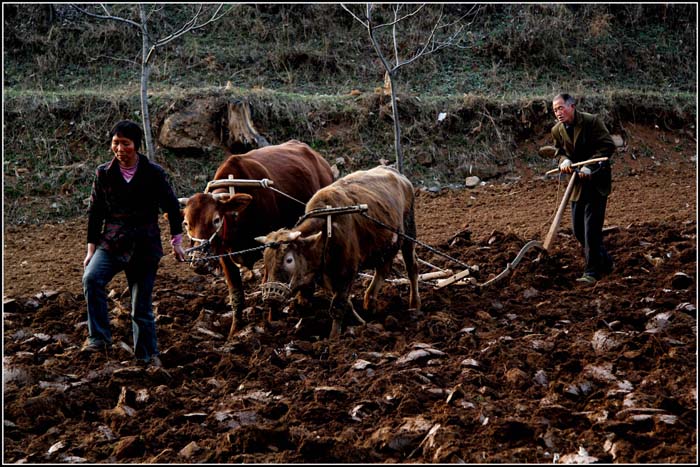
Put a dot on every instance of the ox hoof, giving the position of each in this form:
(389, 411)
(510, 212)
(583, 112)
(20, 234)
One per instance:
(336, 330)
(273, 314)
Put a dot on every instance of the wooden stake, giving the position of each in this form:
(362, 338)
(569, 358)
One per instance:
(453, 279)
(421, 277)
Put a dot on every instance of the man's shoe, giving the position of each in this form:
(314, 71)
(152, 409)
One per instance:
(155, 362)
(587, 279)
(94, 347)
(609, 268)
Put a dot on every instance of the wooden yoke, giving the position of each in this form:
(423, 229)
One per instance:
(231, 182)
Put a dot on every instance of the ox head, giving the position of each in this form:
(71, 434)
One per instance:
(205, 216)
(291, 262)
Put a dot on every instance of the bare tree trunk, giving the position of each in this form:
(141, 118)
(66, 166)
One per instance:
(145, 74)
(430, 45)
(397, 125)
(395, 112)
(148, 48)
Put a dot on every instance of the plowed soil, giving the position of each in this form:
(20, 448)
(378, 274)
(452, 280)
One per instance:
(532, 368)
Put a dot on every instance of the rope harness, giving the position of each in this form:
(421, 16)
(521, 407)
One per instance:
(326, 212)
(203, 243)
(280, 291)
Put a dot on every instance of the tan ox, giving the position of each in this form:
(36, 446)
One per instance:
(221, 223)
(306, 255)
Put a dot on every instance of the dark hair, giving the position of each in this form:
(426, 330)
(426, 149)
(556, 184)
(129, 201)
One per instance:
(567, 98)
(128, 129)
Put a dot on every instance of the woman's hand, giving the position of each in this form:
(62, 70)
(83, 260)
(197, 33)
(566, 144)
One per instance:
(178, 252)
(89, 255)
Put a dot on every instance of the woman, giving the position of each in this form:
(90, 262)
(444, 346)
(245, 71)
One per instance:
(123, 235)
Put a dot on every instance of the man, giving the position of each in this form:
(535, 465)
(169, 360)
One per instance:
(580, 136)
(123, 235)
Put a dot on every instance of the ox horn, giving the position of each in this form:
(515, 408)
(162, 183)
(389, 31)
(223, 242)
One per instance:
(291, 236)
(183, 202)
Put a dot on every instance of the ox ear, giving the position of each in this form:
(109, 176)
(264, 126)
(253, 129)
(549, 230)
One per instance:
(235, 203)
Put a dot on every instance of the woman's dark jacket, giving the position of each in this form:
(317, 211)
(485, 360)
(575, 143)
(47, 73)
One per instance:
(123, 217)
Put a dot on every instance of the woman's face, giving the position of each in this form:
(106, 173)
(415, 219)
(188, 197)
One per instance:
(124, 150)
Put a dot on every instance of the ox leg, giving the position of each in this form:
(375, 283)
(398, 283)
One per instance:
(380, 273)
(303, 299)
(340, 305)
(408, 251)
(235, 292)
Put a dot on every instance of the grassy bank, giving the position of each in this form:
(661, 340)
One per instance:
(310, 73)
(54, 140)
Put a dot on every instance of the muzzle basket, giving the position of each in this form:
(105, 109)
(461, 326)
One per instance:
(275, 292)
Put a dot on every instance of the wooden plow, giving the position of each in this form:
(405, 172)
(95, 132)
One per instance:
(549, 239)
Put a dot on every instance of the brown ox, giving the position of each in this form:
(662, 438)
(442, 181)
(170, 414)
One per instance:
(306, 255)
(230, 223)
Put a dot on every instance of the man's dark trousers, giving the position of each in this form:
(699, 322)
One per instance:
(588, 215)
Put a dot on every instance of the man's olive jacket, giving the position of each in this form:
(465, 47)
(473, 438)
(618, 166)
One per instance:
(591, 140)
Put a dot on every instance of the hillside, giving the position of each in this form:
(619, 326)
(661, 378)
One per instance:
(309, 72)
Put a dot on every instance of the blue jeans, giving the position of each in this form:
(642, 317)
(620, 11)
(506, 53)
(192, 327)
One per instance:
(141, 275)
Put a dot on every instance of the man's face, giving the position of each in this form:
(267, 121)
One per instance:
(563, 111)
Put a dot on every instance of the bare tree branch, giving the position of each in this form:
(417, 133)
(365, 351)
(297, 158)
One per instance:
(398, 20)
(363, 23)
(432, 43)
(107, 15)
(459, 20)
(429, 41)
(373, 39)
(149, 47)
(185, 29)
(393, 34)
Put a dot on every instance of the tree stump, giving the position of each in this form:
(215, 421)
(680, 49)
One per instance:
(237, 131)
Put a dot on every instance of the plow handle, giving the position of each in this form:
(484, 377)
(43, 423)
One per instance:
(579, 164)
(560, 211)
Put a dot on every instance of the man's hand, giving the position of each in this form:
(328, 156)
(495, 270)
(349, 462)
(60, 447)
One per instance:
(565, 166)
(584, 173)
